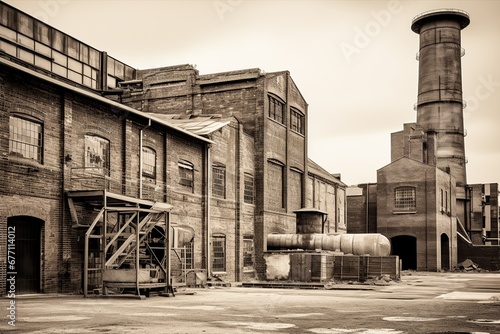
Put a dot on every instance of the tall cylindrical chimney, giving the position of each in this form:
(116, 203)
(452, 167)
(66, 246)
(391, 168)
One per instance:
(440, 104)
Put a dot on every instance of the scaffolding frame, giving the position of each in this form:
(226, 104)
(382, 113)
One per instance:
(115, 247)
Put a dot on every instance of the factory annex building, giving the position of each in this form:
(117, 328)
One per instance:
(224, 156)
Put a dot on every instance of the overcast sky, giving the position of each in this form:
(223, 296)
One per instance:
(353, 61)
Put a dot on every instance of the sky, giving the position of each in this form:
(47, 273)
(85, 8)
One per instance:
(353, 61)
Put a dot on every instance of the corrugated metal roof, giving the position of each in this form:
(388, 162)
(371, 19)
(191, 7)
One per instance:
(199, 125)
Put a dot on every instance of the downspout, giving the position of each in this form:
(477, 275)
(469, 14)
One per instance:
(426, 226)
(208, 188)
(141, 155)
(367, 228)
(237, 224)
(64, 163)
(451, 226)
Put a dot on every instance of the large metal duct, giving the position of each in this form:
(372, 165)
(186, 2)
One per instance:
(373, 244)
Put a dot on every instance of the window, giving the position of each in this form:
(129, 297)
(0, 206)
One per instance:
(248, 262)
(187, 254)
(148, 162)
(276, 109)
(297, 121)
(248, 191)
(219, 181)
(97, 153)
(404, 198)
(25, 138)
(442, 200)
(219, 253)
(186, 175)
(447, 210)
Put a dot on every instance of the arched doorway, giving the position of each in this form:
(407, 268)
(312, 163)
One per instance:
(25, 232)
(445, 252)
(405, 247)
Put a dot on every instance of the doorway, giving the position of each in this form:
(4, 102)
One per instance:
(27, 252)
(405, 247)
(445, 252)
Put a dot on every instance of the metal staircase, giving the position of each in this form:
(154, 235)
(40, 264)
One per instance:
(117, 251)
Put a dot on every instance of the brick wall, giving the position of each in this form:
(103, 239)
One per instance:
(30, 188)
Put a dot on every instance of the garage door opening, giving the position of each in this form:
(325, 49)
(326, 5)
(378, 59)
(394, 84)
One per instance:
(26, 235)
(405, 247)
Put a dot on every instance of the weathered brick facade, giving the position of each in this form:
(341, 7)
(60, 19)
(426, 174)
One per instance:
(276, 156)
(80, 105)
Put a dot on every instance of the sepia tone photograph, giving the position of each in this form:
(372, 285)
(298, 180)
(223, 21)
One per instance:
(249, 166)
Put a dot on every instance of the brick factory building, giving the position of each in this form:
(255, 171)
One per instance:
(98, 159)
(421, 200)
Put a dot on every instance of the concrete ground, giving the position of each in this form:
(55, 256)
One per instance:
(419, 303)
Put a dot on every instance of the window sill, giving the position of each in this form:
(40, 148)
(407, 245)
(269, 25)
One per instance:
(298, 133)
(219, 273)
(403, 212)
(29, 164)
(276, 121)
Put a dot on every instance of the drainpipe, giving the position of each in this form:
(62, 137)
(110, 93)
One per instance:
(367, 227)
(208, 188)
(141, 156)
(450, 250)
(426, 227)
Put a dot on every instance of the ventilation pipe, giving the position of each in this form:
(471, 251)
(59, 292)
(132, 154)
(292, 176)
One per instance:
(373, 244)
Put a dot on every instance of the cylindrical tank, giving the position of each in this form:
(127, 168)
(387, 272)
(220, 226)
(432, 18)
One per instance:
(374, 244)
(310, 220)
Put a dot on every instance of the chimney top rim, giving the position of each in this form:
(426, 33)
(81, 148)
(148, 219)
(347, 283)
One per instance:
(460, 15)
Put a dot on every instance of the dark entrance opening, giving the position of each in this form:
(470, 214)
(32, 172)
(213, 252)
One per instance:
(26, 235)
(445, 252)
(405, 247)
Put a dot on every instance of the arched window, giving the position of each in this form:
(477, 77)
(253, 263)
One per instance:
(405, 198)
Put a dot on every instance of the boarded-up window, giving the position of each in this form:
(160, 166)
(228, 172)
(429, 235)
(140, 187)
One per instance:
(97, 153)
(275, 186)
(295, 186)
(186, 175)
(248, 254)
